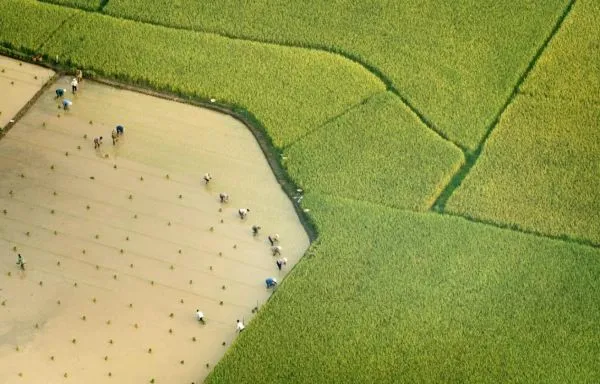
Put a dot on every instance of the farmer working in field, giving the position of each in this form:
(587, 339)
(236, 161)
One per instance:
(67, 104)
(271, 282)
(60, 92)
(21, 262)
(120, 130)
(115, 136)
(200, 316)
(74, 84)
(239, 326)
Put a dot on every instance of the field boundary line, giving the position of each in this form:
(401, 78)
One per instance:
(29, 104)
(52, 34)
(314, 47)
(103, 4)
(517, 228)
(332, 119)
(490, 223)
(471, 157)
(558, 97)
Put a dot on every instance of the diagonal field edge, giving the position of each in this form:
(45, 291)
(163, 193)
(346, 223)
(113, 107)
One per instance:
(489, 223)
(102, 5)
(346, 55)
(471, 158)
(52, 34)
(331, 119)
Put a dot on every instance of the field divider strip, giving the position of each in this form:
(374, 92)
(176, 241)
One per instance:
(490, 223)
(52, 34)
(332, 119)
(558, 97)
(29, 104)
(516, 228)
(314, 47)
(471, 157)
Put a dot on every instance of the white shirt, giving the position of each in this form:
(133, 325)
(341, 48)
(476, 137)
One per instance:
(240, 326)
(199, 315)
(74, 82)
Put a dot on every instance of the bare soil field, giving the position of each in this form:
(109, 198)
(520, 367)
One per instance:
(123, 243)
(19, 82)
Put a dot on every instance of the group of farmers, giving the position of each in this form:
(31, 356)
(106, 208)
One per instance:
(61, 92)
(271, 282)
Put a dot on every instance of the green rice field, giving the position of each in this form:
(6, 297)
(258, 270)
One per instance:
(541, 168)
(378, 110)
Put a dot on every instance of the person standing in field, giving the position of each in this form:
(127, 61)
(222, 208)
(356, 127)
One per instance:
(21, 262)
(200, 316)
(97, 142)
(74, 84)
(60, 92)
(79, 75)
(115, 136)
(239, 326)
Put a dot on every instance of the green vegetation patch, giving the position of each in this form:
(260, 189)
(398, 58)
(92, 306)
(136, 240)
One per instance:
(90, 5)
(387, 296)
(456, 61)
(539, 171)
(570, 67)
(289, 90)
(380, 152)
(26, 25)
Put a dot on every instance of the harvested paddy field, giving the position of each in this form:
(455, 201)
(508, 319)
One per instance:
(123, 243)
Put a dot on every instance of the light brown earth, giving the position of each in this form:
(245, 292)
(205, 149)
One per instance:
(19, 82)
(125, 263)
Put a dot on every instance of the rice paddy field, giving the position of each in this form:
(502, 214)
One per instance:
(447, 151)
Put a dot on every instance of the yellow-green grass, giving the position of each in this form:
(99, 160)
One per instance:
(389, 296)
(289, 90)
(91, 5)
(455, 61)
(570, 67)
(378, 151)
(539, 171)
(25, 26)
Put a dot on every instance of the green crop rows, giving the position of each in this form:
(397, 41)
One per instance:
(399, 297)
(374, 153)
(91, 5)
(387, 294)
(541, 168)
(456, 60)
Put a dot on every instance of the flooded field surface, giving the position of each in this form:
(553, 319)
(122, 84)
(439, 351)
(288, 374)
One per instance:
(19, 82)
(123, 243)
